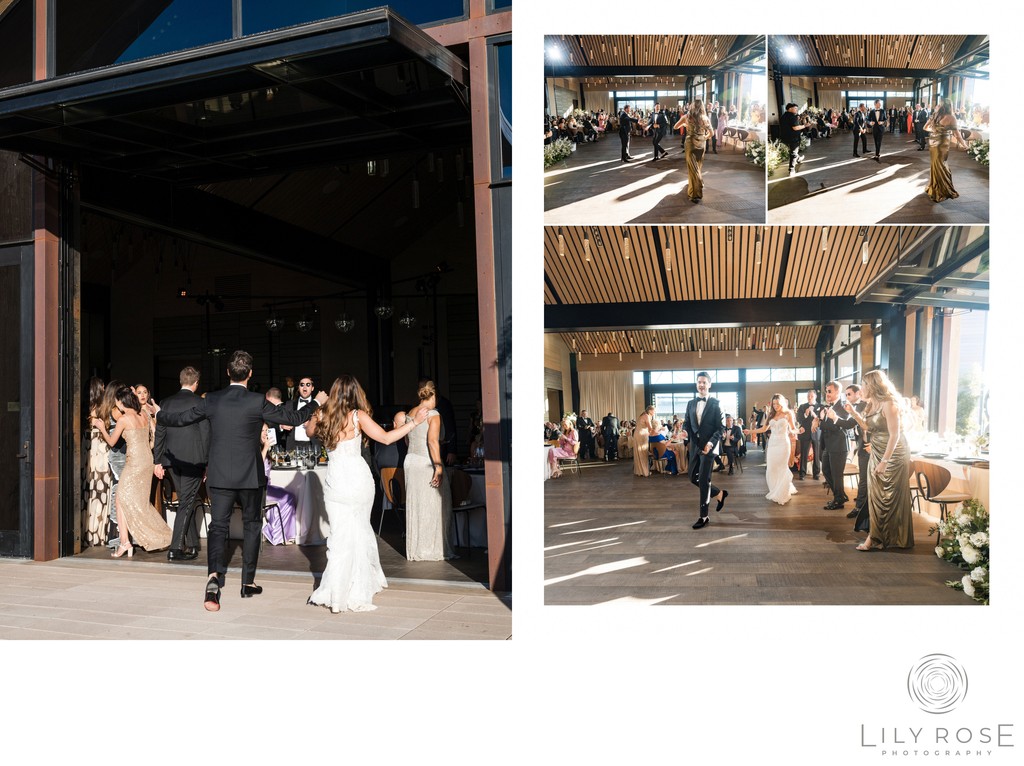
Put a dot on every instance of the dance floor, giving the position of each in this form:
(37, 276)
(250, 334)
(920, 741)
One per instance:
(834, 187)
(611, 538)
(592, 186)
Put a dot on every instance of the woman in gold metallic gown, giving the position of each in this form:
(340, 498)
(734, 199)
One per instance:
(136, 516)
(698, 130)
(889, 500)
(943, 132)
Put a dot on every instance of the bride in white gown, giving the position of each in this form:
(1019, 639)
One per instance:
(353, 573)
(783, 431)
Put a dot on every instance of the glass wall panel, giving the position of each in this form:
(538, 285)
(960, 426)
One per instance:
(15, 43)
(503, 74)
(683, 376)
(759, 376)
(727, 376)
(104, 32)
(661, 377)
(15, 199)
(262, 15)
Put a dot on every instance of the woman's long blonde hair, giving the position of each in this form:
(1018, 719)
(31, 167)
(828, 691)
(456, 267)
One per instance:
(876, 386)
(782, 400)
(346, 397)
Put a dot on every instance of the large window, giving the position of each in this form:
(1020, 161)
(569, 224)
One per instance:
(261, 15)
(104, 32)
(781, 374)
(15, 43)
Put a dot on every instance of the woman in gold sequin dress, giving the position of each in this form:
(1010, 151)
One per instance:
(136, 516)
(698, 130)
(889, 500)
(943, 132)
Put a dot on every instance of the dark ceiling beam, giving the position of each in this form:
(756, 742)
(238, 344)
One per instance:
(799, 70)
(913, 249)
(625, 70)
(671, 315)
(207, 219)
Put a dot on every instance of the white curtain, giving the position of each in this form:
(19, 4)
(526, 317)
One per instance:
(604, 392)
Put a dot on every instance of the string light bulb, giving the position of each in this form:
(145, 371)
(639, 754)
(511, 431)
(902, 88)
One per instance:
(561, 242)
(626, 244)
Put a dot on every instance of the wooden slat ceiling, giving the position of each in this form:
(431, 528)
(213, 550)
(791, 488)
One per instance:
(701, 263)
(639, 50)
(693, 339)
(868, 51)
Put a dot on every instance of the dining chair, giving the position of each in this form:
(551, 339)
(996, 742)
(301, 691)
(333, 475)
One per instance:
(462, 484)
(392, 482)
(573, 461)
(915, 491)
(932, 483)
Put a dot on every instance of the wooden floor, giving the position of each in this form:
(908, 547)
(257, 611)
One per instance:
(612, 538)
(593, 186)
(831, 186)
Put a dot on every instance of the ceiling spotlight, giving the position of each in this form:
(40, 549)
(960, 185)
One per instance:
(668, 257)
(865, 253)
(561, 242)
(626, 244)
(824, 237)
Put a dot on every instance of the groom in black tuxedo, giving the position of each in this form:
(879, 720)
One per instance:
(878, 121)
(235, 473)
(703, 424)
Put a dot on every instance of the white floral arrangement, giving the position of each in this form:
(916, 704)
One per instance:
(978, 150)
(570, 416)
(776, 153)
(804, 143)
(755, 152)
(557, 151)
(964, 541)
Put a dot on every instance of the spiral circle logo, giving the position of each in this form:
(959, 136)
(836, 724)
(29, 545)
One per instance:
(937, 683)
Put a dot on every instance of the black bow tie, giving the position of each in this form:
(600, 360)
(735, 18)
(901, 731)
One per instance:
(303, 401)
(702, 399)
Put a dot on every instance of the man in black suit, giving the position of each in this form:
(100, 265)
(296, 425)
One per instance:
(703, 424)
(877, 122)
(182, 452)
(659, 129)
(732, 439)
(835, 442)
(296, 437)
(610, 431)
(863, 452)
(920, 118)
(626, 123)
(587, 430)
(790, 127)
(235, 473)
(859, 122)
(807, 434)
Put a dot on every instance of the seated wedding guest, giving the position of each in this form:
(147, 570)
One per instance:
(280, 523)
(99, 476)
(743, 441)
(566, 448)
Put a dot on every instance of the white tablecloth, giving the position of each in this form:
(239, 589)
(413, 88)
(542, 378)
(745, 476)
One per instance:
(308, 487)
(974, 481)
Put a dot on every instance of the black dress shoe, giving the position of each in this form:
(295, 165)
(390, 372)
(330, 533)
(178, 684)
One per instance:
(248, 591)
(856, 155)
(701, 522)
(834, 506)
(853, 514)
(212, 600)
(725, 494)
(183, 554)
